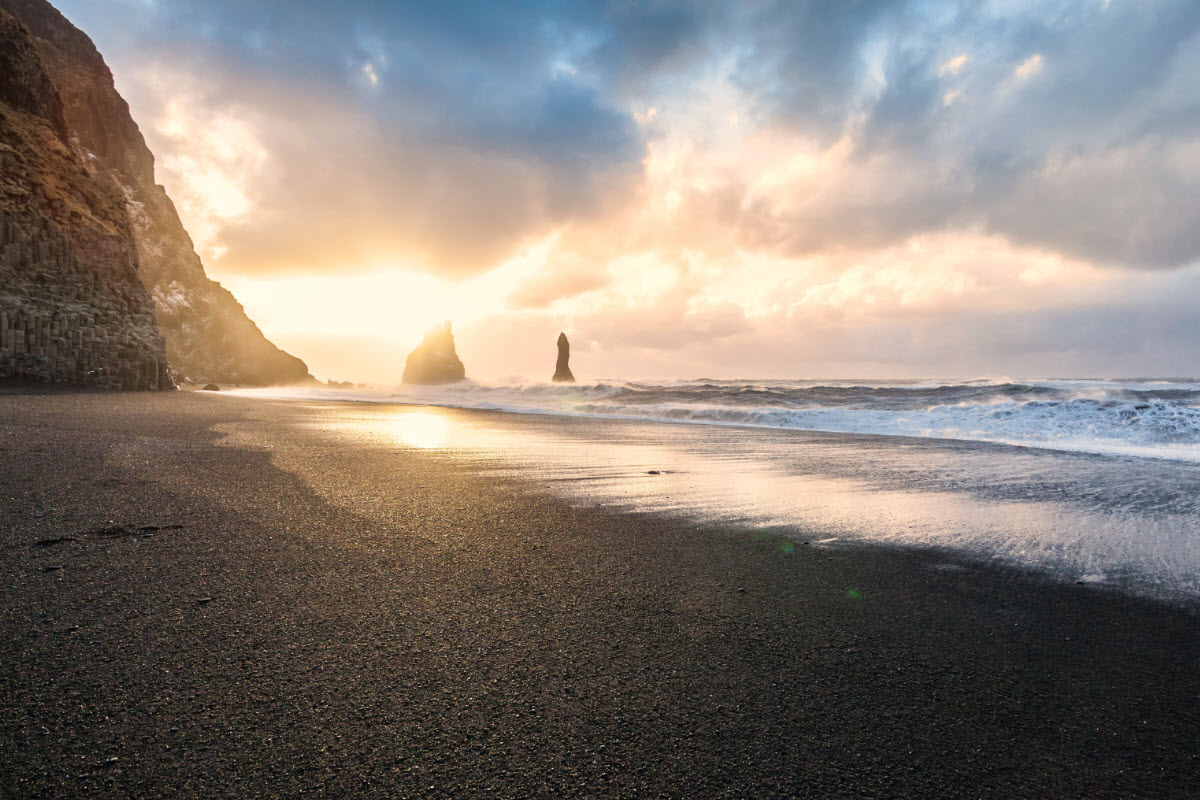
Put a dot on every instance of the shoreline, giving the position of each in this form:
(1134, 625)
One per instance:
(1111, 448)
(427, 630)
(578, 466)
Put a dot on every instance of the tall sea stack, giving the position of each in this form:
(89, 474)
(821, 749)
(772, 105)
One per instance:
(434, 361)
(72, 307)
(208, 336)
(562, 369)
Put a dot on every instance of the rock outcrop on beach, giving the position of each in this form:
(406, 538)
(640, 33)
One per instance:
(208, 335)
(72, 306)
(562, 368)
(434, 361)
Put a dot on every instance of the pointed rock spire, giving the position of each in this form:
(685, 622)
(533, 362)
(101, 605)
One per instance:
(562, 369)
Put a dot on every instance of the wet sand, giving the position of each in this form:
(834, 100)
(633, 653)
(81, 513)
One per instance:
(201, 600)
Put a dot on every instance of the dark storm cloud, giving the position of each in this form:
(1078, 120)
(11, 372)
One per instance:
(445, 132)
(527, 79)
(491, 121)
(1086, 153)
(807, 59)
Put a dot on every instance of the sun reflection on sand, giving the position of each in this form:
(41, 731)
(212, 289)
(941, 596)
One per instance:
(418, 429)
(985, 503)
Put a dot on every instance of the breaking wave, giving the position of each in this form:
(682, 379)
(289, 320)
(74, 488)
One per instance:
(1155, 418)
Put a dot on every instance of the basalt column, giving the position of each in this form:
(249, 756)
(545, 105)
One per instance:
(72, 308)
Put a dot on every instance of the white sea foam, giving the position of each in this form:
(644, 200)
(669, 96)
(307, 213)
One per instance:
(1145, 417)
(1121, 523)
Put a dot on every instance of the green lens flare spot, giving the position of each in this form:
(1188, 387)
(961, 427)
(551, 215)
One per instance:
(854, 594)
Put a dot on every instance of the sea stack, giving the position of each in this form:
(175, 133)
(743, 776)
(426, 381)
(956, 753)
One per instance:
(562, 369)
(434, 361)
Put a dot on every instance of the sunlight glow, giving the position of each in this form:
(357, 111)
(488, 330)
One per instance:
(954, 65)
(422, 430)
(396, 305)
(1029, 67)
(211, 164)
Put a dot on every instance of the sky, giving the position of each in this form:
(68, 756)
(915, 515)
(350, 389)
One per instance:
(792, 189)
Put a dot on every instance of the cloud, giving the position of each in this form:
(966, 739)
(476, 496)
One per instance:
(867, 181)
(1029, 67)
(438, 137)
(557, 283)
(214, 159)
(988, 149)
(464, 120)
(334, 191)
(954, 65)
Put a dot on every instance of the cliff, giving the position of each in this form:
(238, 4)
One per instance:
(72, 306)
(208, 335)
(435, 360)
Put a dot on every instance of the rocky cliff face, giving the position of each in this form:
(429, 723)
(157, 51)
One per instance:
(435, 360)
(208, 335)
(72, 306)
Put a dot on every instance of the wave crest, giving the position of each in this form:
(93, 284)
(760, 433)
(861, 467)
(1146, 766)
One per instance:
(1159, 418)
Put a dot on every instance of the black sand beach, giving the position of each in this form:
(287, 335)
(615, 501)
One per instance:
(185, 615)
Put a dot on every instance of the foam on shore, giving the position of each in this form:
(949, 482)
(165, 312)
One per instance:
(1144, 418)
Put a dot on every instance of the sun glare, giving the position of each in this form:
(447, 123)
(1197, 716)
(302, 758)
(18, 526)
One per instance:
(396, 305)
(420, 429)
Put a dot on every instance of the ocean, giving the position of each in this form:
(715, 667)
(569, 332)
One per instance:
(1157, 418)
(1090, 481)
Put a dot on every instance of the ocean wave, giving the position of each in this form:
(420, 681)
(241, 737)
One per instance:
(1158, 429)
(1147, 417)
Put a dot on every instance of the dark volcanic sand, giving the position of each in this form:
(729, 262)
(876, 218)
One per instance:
(450, 635)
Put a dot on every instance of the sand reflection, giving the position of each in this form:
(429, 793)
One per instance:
(1072, 516)
(423, 430)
